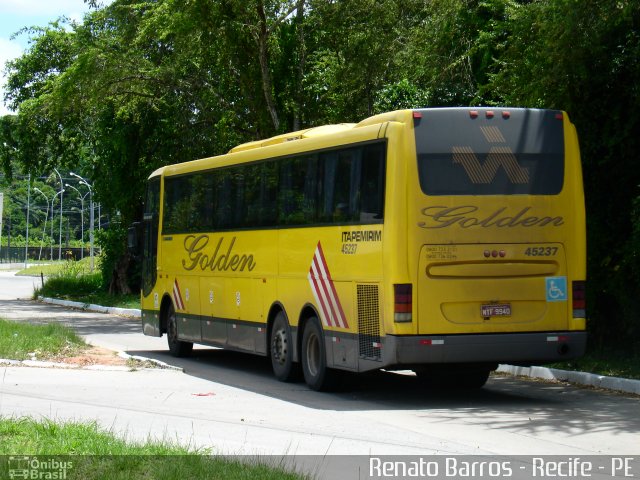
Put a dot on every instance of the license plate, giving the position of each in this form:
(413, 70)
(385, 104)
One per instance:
(496, 310)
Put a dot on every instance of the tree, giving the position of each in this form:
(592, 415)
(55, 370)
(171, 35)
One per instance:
(581, 56)
(140, 84)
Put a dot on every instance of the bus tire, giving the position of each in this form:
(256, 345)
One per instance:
(177, 347)
(314, 359)
(281, 351)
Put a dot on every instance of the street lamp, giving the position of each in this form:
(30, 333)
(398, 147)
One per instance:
(26, 248)
(52, 200)
(81, 197)
(46, 217)
(86, 183)
(60, 235)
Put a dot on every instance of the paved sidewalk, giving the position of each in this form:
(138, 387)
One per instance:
(12, 266)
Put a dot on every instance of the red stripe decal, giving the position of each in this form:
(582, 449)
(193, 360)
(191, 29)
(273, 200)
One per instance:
(177, 296)
(324, 291)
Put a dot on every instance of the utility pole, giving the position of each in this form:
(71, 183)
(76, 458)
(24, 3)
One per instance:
(26, 248)
(1, 208)
(60, 230)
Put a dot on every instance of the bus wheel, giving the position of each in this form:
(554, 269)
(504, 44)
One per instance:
(178, 348)
(314, 359)
(281, 351)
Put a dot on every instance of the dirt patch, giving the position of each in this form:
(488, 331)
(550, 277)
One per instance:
(94, 356)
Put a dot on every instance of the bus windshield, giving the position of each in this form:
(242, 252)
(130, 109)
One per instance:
(514, 152)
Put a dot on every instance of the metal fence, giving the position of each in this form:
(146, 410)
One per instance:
(16, 254)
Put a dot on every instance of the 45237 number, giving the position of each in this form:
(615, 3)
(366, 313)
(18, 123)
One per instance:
(349, 248)
(541, 251)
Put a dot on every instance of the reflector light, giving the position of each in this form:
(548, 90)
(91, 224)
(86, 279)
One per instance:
(489, 113)
(403, 300)
(506, 114)
(579, 299)
(494, 253)
(417, 114)
(502, 253)
(487, 253)
(473, 114)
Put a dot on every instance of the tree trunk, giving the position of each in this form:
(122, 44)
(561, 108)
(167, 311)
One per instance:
(297, 120)
(119, 284)
(263, 51)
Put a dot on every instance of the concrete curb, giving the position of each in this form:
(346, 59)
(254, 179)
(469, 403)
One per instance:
(159, 363)
(581, 378)
(70, 366)
(124, 312)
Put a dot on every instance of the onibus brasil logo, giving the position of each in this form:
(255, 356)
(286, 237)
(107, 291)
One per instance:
(24, 467)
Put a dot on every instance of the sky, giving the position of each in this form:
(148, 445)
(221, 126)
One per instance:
(15, 14)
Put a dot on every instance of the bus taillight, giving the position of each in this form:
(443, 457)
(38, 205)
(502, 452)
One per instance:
(579, 299)
(403, 299)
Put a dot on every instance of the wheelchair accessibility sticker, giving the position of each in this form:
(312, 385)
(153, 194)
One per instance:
(556, 289)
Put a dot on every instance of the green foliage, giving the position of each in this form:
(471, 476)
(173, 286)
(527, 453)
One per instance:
(22, 194)
(71, 280)
(96, 454)
(613, 362)
(581, 56)
(74, 281)
(400, 95)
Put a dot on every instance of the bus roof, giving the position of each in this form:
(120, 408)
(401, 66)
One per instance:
(283, 138)
(300, 134)
(309, 133)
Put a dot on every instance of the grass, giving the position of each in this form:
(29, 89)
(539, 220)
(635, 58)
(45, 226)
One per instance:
(614, 363)
(18, 340)
(59, 267)
(97, 454)
(74, 281)
(66, 290)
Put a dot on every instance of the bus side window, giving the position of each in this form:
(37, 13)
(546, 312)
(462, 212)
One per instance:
(224, 199)
(297, 194)
(260, 195)
(352, 185)
(372, 183)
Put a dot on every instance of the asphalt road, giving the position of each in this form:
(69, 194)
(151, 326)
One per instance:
(12, 287)
(231, 403)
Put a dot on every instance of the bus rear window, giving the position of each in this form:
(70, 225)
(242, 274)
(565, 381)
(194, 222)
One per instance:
(519, 153)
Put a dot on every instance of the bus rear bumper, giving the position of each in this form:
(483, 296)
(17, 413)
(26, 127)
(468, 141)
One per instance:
(515, 348)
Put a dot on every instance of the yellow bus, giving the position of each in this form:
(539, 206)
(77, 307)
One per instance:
(443, 241)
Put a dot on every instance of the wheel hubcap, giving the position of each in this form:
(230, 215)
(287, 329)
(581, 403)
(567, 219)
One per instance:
(313, 355)
(279, 346)
(172, 333)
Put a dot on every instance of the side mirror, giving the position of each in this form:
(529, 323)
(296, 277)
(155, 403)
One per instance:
(134, 236)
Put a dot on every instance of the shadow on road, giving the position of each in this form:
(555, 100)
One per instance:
(524, 406)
